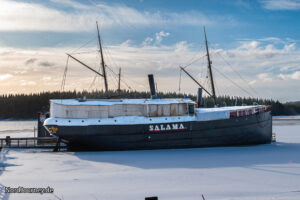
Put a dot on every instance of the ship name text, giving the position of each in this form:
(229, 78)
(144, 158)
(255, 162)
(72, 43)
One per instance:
(166, 127)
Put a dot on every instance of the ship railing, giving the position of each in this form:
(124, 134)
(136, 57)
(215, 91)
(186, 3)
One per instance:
(30, 142)
(249, 111)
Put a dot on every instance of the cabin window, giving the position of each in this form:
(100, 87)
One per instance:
(191, 108)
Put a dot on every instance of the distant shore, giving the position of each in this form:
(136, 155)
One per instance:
(26, 106)
(13, 120)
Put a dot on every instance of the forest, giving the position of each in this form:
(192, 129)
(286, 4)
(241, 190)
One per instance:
(26, 106)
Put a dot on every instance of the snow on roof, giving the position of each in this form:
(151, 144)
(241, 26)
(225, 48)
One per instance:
(98, 102)
(229, 108)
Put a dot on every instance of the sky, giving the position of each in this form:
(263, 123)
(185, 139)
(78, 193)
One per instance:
(254, 45)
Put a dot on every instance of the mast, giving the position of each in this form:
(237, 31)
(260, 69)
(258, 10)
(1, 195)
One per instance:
(119, 82)
(102, 62)
(209, 69)
(85, 65)
(195, 81)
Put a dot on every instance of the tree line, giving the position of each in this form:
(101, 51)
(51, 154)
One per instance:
(26, 106)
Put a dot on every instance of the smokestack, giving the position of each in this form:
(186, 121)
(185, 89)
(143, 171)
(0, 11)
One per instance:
(199, 98)
(152, 86)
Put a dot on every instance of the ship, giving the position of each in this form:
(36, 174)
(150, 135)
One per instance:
(156, 123)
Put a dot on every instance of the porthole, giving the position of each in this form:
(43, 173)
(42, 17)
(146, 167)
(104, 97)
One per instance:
(82, 121)
(69, 120)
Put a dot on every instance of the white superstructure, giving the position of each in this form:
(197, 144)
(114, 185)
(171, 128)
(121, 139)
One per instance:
(108, 108)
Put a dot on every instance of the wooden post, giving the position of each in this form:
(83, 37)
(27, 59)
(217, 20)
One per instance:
(151, 198)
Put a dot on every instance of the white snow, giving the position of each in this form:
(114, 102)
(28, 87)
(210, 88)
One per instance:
(96, 102)
(203, 114)
(261, 172)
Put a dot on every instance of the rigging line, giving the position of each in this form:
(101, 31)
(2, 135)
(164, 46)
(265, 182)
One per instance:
(111, 70)
(194, 56)
(179, 80)
(117, 66)
(127, 85)
(95, 77)
(246, 81)
(83, 45)
(202, 64)
(138, 83)
(216, 86)
(110, 56)
(113, 62)
(233, 82)
(122, 80)
(93, 82)
(64, 75)
(194, 61)
(110, 59)
(85, 52)
(112, 80)
(113, 75)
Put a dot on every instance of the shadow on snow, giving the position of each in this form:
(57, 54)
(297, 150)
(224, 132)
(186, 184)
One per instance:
(242, 156)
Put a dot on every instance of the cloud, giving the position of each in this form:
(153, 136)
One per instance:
(281, 4)
(262, 48)
(147, 41)
(293, 76)
(46, 64)
(70, 3)
(46, 78)
(159, 36)
(126, 43)
(30, 61)
(156, 40)
(265, 77)
(25, 16)
(5, 76)
(27, 83)
(265, 66)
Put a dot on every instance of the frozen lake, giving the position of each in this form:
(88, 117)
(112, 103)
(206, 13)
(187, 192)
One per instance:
(17, 128)
(263, 172)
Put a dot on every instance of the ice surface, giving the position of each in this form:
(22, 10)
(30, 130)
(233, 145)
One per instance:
(262, 172)
(17, 128)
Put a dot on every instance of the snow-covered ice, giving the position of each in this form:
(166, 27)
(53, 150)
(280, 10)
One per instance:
(262, 172)
(15, 128)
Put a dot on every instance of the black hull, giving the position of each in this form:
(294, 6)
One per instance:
(247, 130)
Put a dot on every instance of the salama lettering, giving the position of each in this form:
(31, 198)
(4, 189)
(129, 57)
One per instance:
(166, 127)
